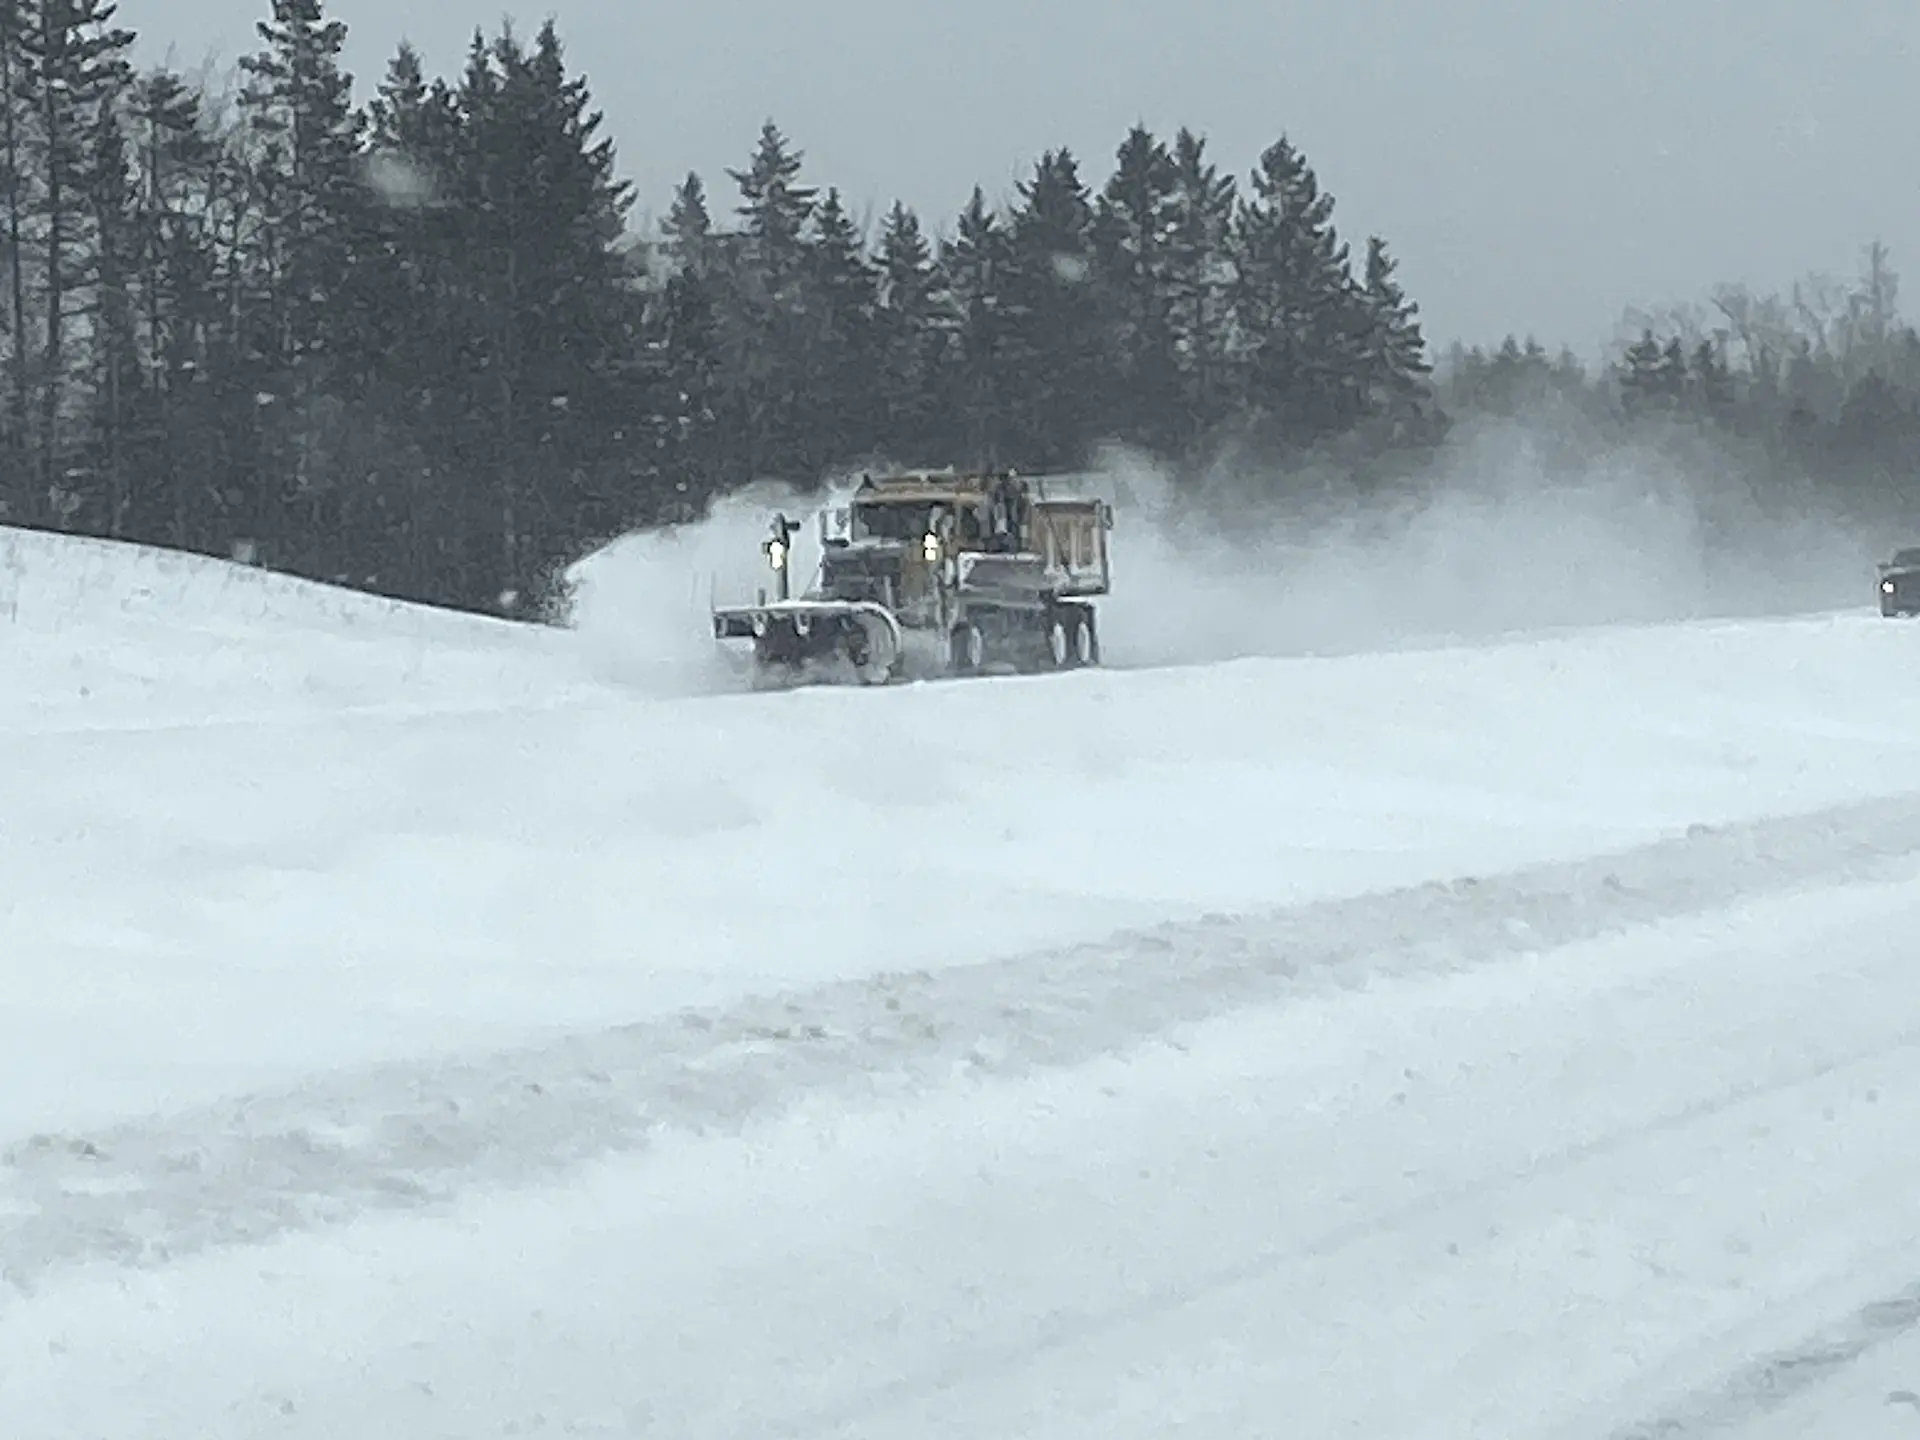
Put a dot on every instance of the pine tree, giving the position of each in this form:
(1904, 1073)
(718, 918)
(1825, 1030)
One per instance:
(974, 268)
(1133, 233)
(910, 302)
(179, 311)
(768, 340)
(1709, 381)
(1673, 371)
(775, 206)
(405, 331)
(841, 340)
(411, 126)
(1642, 384)
(1394, 360)
(1199, 267)
(1297, 314)
(551, 308)
(305, 134)
(1876, 420)
(691, 433)
(688, 228)
(1059, 367)
(74, 71)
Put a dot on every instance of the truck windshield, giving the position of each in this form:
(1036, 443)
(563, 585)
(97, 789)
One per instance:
(890, 522)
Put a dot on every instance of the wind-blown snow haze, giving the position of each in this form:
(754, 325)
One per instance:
(1519, 527)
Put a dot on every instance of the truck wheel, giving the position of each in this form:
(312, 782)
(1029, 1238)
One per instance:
(1059, 643)
(967, 650)
(1086, 641)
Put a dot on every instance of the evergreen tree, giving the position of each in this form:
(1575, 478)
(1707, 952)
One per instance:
(74, 71)
(174, 421)
(1058, 364)
(403, 325)
(550, 310)
(1133, 234)
(306, 136)
(691, 412)
(691, 244)
(1651, 382)
(1298, 319)
(1516, 378)
(908, 339)
(907, 344)
(768, 344)
(1709, 381)
(843, 340)
(775, 206)
(979, 368)
(1674, 371)
(1201, 210)
(1394, 357)
(1878, 424)
(411, 129)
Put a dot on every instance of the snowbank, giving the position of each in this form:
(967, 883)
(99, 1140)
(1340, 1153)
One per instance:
(99, 633)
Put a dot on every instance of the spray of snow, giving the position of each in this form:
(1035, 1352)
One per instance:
(642, 605)
(1520, 528)
(1515, 532)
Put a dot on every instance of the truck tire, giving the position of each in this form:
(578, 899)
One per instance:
(966, 649)
(1057, 640)
(1086, 640)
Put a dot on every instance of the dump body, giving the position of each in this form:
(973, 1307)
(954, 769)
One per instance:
(952, 573)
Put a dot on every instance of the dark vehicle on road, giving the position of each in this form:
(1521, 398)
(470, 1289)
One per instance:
(1900, 583)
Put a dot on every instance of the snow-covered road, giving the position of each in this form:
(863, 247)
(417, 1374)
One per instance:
(413, 1026)
(1590, 1189)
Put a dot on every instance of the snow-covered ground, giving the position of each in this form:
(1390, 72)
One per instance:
(417, 1025)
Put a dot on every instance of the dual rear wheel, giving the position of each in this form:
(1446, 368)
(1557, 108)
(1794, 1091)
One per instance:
(1071, 641)
(1063, 637)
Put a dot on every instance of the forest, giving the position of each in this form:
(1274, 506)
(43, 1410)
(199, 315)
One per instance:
(415, 343)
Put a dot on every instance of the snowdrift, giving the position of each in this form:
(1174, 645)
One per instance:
(98, 632)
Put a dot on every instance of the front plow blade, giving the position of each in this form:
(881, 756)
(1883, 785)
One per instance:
(816, 641)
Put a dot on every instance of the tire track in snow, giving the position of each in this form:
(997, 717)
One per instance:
(415, 1135)
(905, 1399)
(1772, 1381)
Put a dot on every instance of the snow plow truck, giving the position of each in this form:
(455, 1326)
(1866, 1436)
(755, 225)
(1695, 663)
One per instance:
(932, 573)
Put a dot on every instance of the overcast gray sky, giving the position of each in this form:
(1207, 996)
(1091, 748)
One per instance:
(1537, 164)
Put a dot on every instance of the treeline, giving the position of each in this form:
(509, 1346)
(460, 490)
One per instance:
(1814, 390)
(414, 344)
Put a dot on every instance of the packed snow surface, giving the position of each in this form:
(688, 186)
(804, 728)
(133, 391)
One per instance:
(416, 1024)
